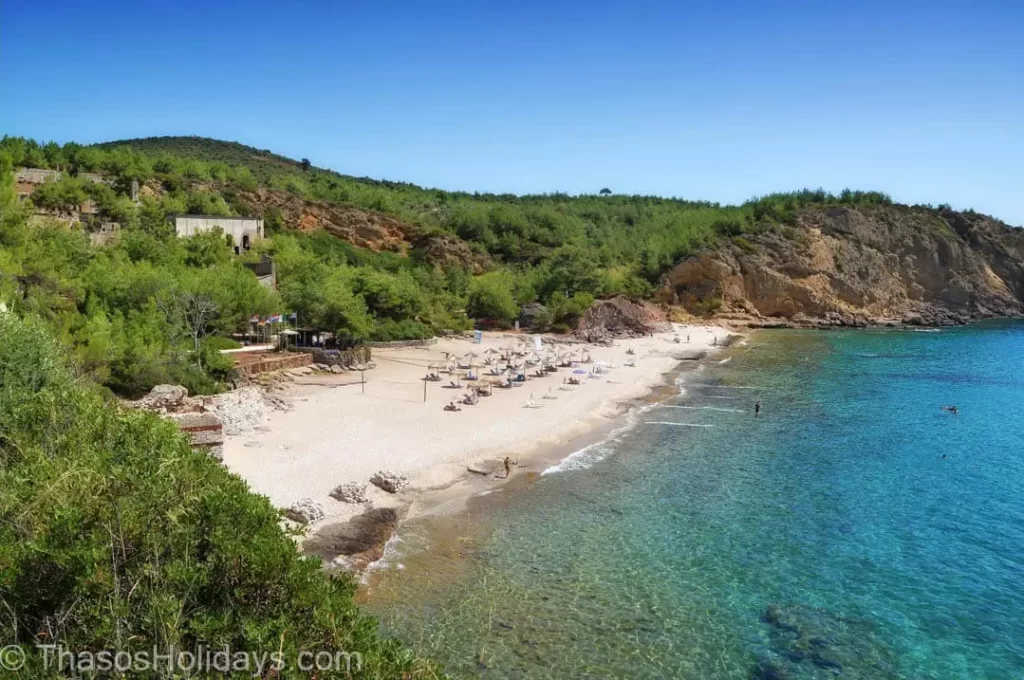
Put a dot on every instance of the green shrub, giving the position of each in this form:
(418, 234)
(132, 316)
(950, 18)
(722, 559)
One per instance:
(565, 312)
(490, 299)
(386, 330)
(116, 535)
(744, 244)
(728, 227)
(218, 342)
(707, 306)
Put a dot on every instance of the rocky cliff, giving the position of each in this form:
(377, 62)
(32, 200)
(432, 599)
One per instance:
(858, 266)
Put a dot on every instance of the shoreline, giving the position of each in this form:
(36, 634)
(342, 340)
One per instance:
(440, 524)
(335, 434)
(452, 498)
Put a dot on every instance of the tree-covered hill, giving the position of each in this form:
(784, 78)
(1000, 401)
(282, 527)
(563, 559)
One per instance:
(366, 259)
(264, 164)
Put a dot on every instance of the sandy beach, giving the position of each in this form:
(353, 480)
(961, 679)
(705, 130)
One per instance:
(340, 431)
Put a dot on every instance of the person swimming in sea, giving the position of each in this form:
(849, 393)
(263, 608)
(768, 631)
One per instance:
(757, 408)
(951, 409)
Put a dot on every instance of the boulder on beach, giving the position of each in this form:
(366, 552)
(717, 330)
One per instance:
(305, 511)
(620, 317)
(389, 481)
(165, 398)
(533, 315)
(350, 492)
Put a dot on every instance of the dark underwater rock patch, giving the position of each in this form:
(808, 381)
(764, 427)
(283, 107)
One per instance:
(807, 642)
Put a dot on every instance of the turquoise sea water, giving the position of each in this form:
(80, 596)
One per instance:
(853, 530)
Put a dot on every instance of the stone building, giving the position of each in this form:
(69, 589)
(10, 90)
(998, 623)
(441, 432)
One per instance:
(27, 179)
(243, 231)
(104, 233)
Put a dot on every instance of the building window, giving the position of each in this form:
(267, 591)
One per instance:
(245, 241)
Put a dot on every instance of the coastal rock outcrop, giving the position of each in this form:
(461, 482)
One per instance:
(620, 317)
(353, 545)
(305, 511)
(350, 492)
(389, 481)
(870, 265)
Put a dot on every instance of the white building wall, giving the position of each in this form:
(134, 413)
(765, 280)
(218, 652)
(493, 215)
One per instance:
(236, 227)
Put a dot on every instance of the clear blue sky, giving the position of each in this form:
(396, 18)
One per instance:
(714, 100)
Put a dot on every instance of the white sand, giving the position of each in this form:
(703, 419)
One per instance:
(338, 434)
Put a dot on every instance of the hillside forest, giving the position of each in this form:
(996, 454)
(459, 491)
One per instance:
(462, 259)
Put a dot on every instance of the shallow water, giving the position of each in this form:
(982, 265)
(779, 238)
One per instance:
(854, 528)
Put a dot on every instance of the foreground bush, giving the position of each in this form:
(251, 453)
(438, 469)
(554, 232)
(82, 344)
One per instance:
(116, 536)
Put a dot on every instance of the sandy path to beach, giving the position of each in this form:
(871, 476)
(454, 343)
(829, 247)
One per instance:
(336, 433)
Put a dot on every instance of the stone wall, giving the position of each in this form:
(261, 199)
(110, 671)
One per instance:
(427, 342)
(274, 362)
(343, 357)
(204, 430)
(36, 175)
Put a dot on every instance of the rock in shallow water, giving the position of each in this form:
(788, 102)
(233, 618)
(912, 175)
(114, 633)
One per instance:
(812, 642)
(354, 544)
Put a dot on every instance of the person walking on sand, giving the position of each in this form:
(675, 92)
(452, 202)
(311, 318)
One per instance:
(508, 467)
(757, 408)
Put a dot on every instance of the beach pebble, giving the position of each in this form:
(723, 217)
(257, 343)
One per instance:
(389, 481)
(305, 511)
(350, 492)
